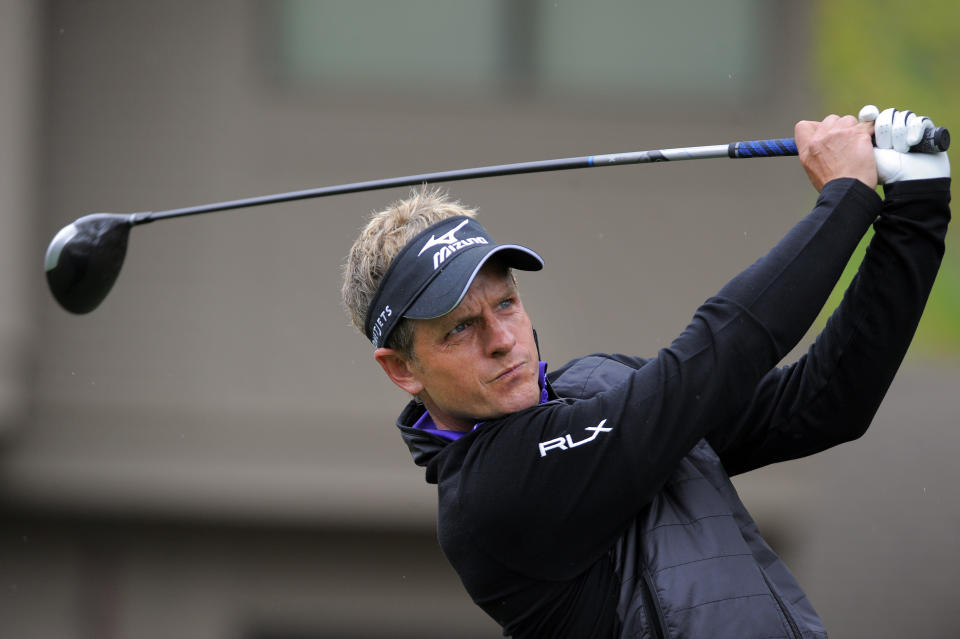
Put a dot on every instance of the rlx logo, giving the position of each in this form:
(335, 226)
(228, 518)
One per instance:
(566, 442)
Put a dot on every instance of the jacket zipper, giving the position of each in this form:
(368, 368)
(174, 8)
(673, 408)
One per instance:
(783, 608)
(657, 624)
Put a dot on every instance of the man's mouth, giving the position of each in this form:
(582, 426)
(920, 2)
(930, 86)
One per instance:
(508, 373)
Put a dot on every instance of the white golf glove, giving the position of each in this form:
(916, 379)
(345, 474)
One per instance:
(895, 132)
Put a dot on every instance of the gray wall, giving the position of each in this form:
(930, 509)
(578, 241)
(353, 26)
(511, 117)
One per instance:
(20, 73)
(210, 453)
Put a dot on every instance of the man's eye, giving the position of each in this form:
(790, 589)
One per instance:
(459, 328)
(506, 303)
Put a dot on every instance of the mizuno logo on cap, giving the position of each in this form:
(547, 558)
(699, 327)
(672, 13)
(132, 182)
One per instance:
(449, 244)
(446, 238)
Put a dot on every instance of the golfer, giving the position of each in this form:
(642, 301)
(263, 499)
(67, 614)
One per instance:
(595, 500)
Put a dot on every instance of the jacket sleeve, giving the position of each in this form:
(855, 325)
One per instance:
(830, 395)
(570, 474)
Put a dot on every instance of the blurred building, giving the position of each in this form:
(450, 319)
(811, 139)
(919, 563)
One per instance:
(211, 454)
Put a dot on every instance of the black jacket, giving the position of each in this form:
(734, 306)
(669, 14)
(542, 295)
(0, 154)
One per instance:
(608, 511)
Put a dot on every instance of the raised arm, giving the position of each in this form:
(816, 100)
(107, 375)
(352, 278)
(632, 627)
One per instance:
(831, 394)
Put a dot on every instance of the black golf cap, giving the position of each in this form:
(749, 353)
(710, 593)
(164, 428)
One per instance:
(433, 272)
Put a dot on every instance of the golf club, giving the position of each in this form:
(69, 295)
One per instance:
(84, 258)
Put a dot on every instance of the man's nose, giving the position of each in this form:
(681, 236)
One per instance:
(500, 337)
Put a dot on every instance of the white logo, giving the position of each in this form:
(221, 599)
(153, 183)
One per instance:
(378, 323)
(566, 442)
(449, 244)
(446, 238)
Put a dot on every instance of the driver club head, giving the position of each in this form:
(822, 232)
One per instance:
(84, 259)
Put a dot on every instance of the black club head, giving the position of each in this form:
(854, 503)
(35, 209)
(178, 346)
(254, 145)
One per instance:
(84, 259)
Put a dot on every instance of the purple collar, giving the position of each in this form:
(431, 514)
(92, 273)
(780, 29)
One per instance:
(425, 423)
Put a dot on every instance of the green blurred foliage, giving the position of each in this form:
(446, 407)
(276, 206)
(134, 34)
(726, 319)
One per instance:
(904, 55)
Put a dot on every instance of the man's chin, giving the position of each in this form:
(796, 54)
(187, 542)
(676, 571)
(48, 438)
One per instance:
(527, 398)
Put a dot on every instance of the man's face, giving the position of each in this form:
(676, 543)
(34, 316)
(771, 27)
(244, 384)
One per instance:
(479, 361)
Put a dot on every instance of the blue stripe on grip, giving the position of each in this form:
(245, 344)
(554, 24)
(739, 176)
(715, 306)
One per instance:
(765, 148)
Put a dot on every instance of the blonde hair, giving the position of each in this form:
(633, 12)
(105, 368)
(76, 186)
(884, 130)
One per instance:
(386, 233)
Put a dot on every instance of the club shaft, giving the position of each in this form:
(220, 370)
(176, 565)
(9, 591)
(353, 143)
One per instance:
(933, 142)
(785, 146)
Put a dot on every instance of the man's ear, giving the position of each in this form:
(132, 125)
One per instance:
(399, 369)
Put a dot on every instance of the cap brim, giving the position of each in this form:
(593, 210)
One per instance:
(450, 286)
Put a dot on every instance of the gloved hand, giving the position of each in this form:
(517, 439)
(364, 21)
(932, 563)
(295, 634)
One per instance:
(895, 132)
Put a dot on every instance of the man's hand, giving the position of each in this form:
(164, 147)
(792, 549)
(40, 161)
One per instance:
(835, 148)
(896, 132)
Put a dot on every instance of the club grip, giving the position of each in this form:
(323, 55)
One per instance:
(762, 148)
(934, 140)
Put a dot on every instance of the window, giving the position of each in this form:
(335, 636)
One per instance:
(597, 50)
